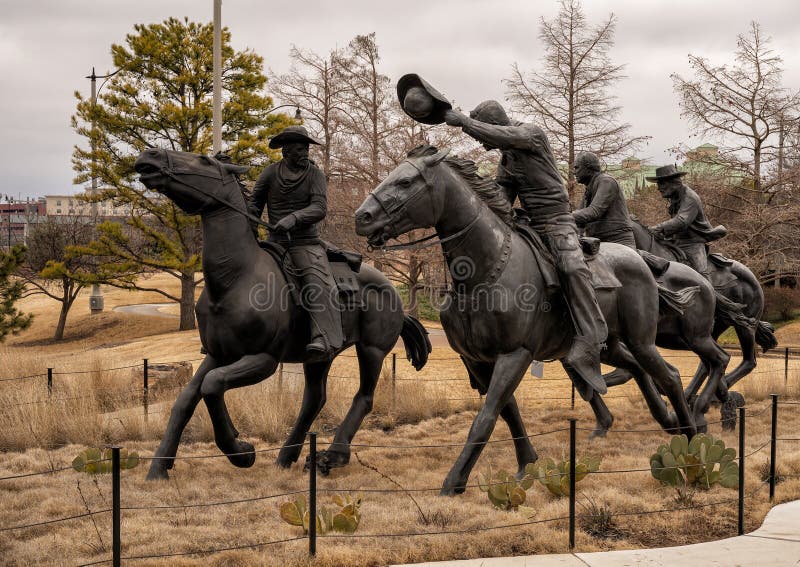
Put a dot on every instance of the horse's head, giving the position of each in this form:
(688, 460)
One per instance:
(194, 182)
(410, 197)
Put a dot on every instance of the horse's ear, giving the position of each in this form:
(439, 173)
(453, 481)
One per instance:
(436, 158)
(234, 168)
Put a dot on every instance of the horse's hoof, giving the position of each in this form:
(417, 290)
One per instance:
(452, 489)
(597, 433)
(245, 455)
(327, 460)
(157, 472)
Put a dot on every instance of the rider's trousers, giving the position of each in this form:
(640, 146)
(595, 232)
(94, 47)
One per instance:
(319, 294)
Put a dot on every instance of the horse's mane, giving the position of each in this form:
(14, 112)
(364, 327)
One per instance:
(488, 191)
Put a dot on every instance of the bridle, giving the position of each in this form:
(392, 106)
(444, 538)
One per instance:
(396, 222)
(171, 172)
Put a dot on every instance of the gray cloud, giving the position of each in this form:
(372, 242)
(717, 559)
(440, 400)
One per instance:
(465, 48)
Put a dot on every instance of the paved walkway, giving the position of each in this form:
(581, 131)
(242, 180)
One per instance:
(775, 544)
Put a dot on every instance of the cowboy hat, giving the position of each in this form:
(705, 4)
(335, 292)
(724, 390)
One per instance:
(420, 100)
(666, 172)
(292, 134)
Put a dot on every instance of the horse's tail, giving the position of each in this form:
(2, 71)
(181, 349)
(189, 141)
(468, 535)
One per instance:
(731, 312)
(677, 301)
(765, 336)
(415, 338)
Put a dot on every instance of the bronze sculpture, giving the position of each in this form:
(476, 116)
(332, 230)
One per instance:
(528, 171)
(603, 213)
(295, 191)
(688, 227)
(250, 319)
(490, 262)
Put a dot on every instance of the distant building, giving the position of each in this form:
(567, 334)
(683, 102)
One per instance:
(17, 219)
(71, 205)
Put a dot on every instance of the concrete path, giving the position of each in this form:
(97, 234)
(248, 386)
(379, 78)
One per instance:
(151, 309)
(775, 544)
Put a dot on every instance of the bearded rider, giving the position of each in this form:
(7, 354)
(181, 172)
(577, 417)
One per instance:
(688, 228)
(528, 170)
(294, 192)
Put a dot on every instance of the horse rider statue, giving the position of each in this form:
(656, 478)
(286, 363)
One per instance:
(528, 170)
(294, 192)
(603, 213)
(688, 227)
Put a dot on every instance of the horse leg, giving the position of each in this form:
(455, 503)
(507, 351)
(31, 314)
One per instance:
(482, 373)
(316, 376)
(181, 413)
(747, 341)
(248, 370)
(603, 418)
(617, 377)
(370, 365)
(716, 360)
(508, 372)
(702, 369)
(669, 381)
(619, 355)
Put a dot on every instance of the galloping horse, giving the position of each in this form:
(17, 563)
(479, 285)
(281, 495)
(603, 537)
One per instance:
(249, 322)
(501, 318)
(735, 283)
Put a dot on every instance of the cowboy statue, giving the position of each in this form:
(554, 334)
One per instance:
(527, 170)
(688, 228)
(294, 192)
(603, 213)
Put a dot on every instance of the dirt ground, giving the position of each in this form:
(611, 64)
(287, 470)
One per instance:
(413, 436)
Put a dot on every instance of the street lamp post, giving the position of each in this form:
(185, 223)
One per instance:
(96, 301)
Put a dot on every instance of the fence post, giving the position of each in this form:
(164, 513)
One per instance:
(572, 483)
(394, 381)
(49, 382)
(785, 368)
(312, 495)
(146, 390)
(115, 507)
(773, 442)
(741, 471)
(573, 396)
(280, 376)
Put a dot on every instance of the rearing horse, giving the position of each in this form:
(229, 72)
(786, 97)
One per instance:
(249, 321)
(501, 318)
(736, 284)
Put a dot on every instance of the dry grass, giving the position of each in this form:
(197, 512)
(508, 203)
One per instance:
(435, 407)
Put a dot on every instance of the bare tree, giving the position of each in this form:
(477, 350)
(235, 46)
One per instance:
(742, 105)
(569, 95)
(314, 86)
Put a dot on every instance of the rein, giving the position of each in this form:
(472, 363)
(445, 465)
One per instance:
(168, 172)
(413, 244)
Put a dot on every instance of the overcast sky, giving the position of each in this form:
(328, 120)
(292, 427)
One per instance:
(463, 47)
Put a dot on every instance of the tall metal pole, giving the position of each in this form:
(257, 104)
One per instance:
(216, 117)
(96, 300)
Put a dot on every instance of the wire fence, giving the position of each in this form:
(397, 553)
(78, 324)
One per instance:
(144, 395)
(114, 514)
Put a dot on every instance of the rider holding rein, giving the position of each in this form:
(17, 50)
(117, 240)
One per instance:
(688, 228)
(294, 192)
(528, 170)
(603, 213)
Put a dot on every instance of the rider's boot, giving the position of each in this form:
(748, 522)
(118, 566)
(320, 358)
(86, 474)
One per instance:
(584, 358)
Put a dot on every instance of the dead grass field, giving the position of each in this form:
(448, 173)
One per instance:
(434, 407)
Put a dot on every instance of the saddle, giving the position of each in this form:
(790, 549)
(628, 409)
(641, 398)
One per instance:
(602, 276)
(345, 264)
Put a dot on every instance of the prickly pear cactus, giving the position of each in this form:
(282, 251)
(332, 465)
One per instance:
(345, 520)
(703, 462)
(555, 476)
(503, 489)
(95, 461)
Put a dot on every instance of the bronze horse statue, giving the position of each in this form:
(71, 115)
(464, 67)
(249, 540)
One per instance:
(501, 316)
(740, 304)
(249, 323)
